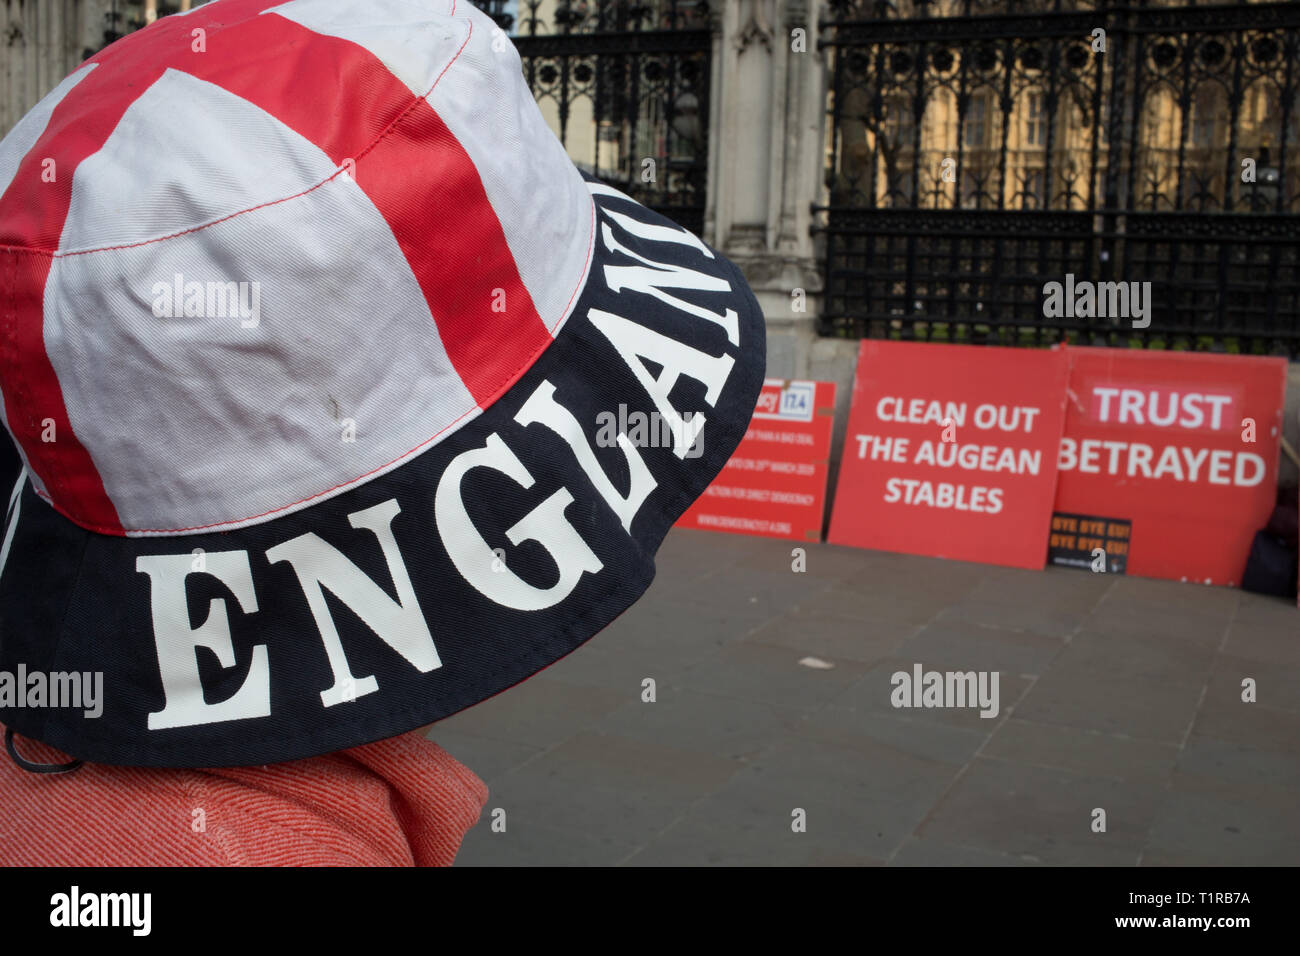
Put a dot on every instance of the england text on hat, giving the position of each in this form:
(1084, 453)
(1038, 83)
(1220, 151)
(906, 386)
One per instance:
(84, 689)
(400, 624)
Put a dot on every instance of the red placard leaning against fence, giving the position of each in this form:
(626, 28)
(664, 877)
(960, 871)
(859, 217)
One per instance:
(1181, 446)
(774, 485)
(951, 451)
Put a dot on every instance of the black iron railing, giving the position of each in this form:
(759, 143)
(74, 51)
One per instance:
(980, 150)
(625, 85)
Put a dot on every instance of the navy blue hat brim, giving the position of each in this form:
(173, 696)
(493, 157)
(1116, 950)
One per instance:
(72, 601)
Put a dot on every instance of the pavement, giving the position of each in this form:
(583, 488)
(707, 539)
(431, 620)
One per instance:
(1116, 694)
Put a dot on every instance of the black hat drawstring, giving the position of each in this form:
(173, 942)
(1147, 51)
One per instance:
(30, 767)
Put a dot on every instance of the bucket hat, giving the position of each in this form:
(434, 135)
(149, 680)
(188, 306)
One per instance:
(317, 350)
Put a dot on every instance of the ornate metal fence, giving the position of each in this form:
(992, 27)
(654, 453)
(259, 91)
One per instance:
(625, 85)
(980, 149)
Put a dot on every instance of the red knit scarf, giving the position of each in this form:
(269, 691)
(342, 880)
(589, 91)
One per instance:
(399, 802)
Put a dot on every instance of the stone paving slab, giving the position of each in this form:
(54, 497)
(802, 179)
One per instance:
(1117, 693)
(1087, 752)
(1045, 814)
(697, 721)
(1131, 707)
(832, 637)
(1220, 819)
(957, 644)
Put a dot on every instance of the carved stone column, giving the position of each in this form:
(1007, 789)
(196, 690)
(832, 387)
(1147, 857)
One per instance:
(41, 42)
(765, 165)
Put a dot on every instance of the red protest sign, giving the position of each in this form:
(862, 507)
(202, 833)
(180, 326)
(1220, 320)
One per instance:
(774, 484)
(951, 451)
(1183, 446)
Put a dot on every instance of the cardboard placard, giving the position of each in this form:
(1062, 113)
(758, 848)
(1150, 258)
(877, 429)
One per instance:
(951, 451)
(1182, 445)
(774, 484)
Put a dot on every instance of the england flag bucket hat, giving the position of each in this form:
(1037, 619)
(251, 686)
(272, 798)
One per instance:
(311, 338)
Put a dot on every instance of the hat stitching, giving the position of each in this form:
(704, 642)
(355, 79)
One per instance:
(50, 465)
(9, 359)
(507, 382)
(415, 101)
